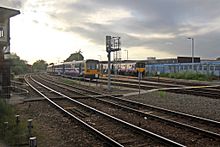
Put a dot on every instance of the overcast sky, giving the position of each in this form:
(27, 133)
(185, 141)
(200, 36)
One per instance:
(53, 29)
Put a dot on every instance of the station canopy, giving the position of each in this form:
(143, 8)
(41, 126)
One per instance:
(6, 13)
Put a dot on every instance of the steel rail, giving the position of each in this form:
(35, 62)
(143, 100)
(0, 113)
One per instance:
(25, 91)
(146, 132)
(169, 111)
(172, 122)
(163, 109)
(109, 140)
(87, 90)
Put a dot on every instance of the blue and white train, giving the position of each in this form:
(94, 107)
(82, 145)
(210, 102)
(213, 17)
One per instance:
(204, 67)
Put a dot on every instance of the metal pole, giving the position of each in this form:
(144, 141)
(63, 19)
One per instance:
(192, 39)
(127, 53)
(109, 72)
(139, 83)
(192, 50)
(33, 142)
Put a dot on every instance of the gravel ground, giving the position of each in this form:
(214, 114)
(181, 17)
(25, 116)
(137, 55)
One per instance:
(54, 130)
(200, 106)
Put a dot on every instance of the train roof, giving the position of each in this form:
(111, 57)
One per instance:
(72, 62)
(122, 61)
(170, 64)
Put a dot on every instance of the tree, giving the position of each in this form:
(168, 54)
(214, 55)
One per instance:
(218, 58)
(18, 66)
(75, 56)
(39, 66)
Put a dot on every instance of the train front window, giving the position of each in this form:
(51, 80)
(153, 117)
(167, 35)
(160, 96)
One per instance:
(140, 65)
(92, 66)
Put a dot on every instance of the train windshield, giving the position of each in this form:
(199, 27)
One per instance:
(92, 65)
(140, 65)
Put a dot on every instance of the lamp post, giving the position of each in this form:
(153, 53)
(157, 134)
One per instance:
(100, 57)
(127, 53)
(192, 50)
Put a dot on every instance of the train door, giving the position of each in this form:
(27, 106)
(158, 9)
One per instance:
(80, 68)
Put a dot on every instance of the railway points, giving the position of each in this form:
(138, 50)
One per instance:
(131, 94)
(94, 95)
(166, 140)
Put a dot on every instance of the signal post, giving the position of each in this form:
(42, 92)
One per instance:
(112, 44)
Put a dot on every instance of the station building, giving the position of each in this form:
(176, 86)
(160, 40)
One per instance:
(5, 15)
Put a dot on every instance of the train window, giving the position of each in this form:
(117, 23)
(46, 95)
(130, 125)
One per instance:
(190, 66)
(217, 67)
(200, 67)
(92, 66)
(181, 67)
(205, 67)
(67, 66)
(76, 65)
(140, 65)
(195, 67)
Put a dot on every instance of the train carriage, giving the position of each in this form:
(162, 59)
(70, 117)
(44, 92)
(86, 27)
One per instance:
(92, 69)
(208, 67)
(85, 68)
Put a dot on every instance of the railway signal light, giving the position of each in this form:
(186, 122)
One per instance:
(112, 44)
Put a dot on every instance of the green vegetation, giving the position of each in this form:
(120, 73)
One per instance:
(162, 93)
(75, 56)
(67, 81)
(189, 76)
(39, 66)
(19, 66)
(11, 134)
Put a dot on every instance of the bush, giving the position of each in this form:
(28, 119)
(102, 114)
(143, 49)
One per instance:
(189, 76)
(13, 134)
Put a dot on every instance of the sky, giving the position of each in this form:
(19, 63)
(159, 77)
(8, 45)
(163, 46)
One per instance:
(53, 29)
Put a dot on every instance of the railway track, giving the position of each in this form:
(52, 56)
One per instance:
(175, 121)
(134, 83)
(210, 91)
(173, 81)
(191, 88)
(112, 130)
(198, 89)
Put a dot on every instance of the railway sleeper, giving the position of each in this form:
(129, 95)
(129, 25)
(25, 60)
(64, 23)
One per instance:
(76, 111)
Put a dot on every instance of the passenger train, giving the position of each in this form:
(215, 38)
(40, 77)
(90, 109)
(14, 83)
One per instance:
(130, 68)
(86, 68)
(93, 68)
(203, 67)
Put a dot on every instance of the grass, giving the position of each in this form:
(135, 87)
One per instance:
(189, 76)
(68, 81)
(162, 93)
(11, 134)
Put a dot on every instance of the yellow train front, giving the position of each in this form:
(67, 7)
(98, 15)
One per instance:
(140, 67)
(92, 69)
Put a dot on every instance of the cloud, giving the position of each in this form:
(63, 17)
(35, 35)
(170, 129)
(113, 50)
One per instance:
(162, 26)
(12, 3)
